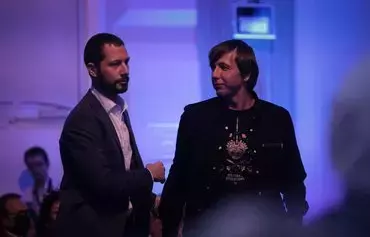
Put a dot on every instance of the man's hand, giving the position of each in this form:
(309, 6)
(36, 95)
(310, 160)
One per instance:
(157, 171)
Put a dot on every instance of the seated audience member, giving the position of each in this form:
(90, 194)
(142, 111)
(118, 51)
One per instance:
(14, 218)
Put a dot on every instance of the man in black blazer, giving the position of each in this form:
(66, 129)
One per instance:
(237, 170)
(106, 190)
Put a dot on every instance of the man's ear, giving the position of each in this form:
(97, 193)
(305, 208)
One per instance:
(92, 70)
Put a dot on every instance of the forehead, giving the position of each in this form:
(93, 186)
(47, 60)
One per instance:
(15, 205)
(228, 58)
(35, 159)
(112, 52)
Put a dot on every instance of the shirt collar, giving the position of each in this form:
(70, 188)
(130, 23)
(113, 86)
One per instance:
(110, 105)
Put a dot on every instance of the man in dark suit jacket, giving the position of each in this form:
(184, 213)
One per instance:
(106, 190)
(235, 156)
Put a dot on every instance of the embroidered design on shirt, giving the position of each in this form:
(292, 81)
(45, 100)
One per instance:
(238, 162)
(236, 148)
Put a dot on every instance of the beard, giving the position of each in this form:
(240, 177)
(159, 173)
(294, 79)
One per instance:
(121, 87)
(118, 87)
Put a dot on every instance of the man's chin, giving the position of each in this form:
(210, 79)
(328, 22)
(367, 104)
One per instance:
(121, 89)
(221, 93)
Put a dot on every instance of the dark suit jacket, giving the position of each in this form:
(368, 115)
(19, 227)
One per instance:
(192, 180)
(96, 187)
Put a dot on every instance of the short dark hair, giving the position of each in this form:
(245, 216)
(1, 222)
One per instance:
(245, 59)
(93, 48)
(4, 199)
(36, 151)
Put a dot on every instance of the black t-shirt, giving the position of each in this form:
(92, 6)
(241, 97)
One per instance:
(236, 164)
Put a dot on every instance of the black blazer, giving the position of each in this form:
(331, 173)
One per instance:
(96, 187)
(192, 181)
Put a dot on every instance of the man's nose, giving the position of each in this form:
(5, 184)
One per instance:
(216, 73)
(124, 68)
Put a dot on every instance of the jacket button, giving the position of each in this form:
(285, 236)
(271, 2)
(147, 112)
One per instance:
(208, 188)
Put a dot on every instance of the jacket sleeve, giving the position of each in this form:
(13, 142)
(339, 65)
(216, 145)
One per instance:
(173, 196)
(294, 174)
(83, 158)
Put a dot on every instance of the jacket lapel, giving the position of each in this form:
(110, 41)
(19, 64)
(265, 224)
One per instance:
(136, 158)
(136, 161)
(102, 115)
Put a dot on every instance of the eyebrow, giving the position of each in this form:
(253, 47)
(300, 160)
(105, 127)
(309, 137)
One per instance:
(120, 60)
(223, 64)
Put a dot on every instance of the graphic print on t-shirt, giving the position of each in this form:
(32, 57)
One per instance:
(237, 163)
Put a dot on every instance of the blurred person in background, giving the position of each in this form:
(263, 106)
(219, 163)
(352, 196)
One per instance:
(14, 217)
(37, 162)
(350, 154)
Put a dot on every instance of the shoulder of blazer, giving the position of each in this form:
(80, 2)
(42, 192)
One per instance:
(273, 111)
(268, 106)
(216, 104)
(86, 107)
(204, 106)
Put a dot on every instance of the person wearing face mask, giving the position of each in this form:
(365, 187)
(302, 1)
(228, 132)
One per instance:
(106, 190)
(237, 169)
(15, 221)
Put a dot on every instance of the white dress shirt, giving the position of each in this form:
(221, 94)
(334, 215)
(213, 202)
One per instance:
(115, 111)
